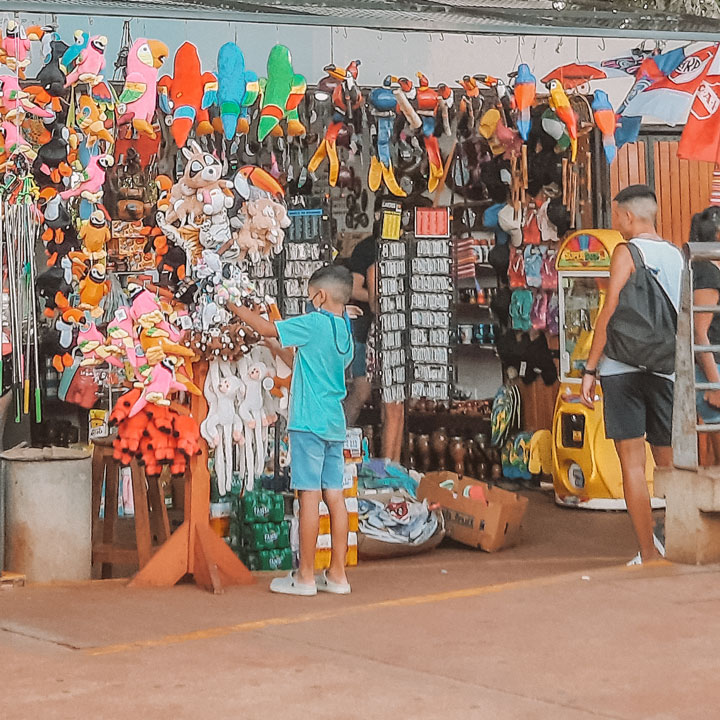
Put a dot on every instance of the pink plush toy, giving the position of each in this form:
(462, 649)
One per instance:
(15, 142)
(90, 64)
(139, 96)
(91, 343)
(14, 100)
(15, 48)
(122, 340)
(88, 184)
(159, 385)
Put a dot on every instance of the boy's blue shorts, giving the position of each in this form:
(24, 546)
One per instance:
(315, 464)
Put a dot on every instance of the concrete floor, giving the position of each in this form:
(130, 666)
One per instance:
(555, 628)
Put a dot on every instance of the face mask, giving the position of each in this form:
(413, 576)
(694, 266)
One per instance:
(310, 308)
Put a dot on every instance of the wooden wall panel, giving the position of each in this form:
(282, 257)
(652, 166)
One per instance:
(629, 167)
(683, 189)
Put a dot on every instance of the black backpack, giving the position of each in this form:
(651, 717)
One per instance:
(641, 331)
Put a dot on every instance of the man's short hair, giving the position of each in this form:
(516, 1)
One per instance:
(640, 200)
(336, 280)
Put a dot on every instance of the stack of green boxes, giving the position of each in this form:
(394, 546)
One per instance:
(259, 533)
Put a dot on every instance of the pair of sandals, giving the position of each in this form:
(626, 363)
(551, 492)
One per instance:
(288, 585)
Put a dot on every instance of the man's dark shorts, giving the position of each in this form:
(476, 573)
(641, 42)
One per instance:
(638, 405)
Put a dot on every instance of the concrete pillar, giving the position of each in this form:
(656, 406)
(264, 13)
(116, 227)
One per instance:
(48, 514)
(692, 517)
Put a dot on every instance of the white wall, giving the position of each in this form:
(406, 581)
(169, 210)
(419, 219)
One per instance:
(443, 58)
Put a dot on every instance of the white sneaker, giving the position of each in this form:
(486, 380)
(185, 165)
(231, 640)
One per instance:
(637, 560)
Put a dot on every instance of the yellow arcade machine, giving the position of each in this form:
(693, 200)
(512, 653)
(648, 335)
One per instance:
(585, 467)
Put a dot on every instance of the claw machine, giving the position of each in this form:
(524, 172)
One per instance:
(585, 467)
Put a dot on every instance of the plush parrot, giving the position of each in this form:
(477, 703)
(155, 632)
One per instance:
(560, 103)
(606, 122)
(238, 89)
(14, 101)
(88, 184)
(139, 96)
(282, 91)
(524, 98)
(186, 96)
(90, 63)
(80, 41)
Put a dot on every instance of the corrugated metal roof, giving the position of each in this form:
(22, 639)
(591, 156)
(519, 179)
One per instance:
(639, 18)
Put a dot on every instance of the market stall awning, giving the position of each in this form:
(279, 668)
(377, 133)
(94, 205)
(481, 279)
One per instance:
(657, 19)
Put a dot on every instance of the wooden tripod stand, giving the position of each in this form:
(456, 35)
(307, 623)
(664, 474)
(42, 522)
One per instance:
(194, 549)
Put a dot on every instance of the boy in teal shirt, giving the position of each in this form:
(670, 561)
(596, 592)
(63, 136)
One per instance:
(316, 425)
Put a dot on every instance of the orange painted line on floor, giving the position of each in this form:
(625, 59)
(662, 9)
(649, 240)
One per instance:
(216, 632)
(223, 631)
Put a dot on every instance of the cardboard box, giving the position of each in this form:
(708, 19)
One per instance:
(470, 521)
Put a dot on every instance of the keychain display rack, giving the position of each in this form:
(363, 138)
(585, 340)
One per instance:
(431, 315)
(392, 323)
(307, 248)
(414, 335)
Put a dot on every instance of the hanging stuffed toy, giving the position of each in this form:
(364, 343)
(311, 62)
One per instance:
(90, 63)
(223, 426)
(95, 234)
(138, 99)
(606, 122)
(346, 99)
(201, 192)
(254, 419)
(70, 58)
(238, 90)
(15, 102)
(51, 164)
(560, 103)
(50, 89)
(89, 182)
(15, 48)
(91, 119)
(93, 288)
(186, 96)
(13, 141)
(282, 91)
(524, 95)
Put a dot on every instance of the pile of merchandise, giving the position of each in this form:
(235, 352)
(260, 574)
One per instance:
(259, 533)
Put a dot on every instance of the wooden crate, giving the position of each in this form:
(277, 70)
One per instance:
(11, 580)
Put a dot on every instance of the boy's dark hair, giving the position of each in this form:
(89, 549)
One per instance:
(705, 225)
(633, 192)
(336, 279)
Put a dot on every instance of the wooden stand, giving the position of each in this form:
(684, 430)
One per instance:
(194, 549)
(150, 513)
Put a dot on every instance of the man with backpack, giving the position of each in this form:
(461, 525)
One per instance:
(633, 351)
